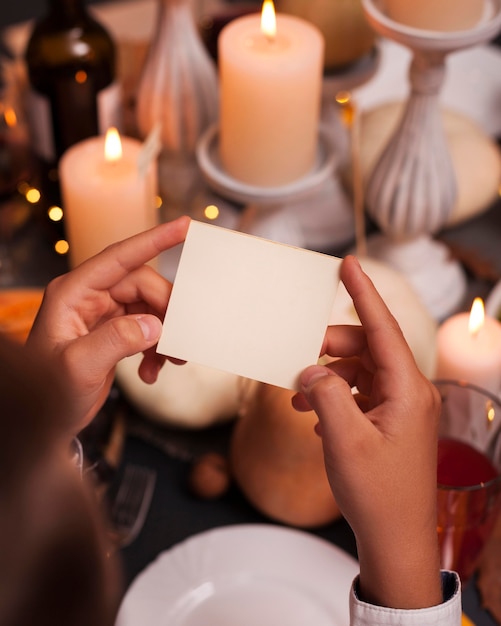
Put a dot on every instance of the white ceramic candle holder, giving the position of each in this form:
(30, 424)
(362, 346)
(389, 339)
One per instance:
(412, 190)
(311, 212)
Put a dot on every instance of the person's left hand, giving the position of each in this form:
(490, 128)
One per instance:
(108, 308)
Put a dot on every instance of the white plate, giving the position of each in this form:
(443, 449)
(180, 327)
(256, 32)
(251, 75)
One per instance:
(211, 167)
(243, 575)
(472, 84)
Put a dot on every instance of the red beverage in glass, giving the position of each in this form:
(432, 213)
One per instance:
(468, 504)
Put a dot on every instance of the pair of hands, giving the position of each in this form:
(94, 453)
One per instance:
(379, 446)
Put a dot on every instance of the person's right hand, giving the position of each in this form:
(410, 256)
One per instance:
(380, 448)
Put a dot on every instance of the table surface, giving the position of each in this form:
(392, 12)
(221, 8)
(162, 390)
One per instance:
(175, 513)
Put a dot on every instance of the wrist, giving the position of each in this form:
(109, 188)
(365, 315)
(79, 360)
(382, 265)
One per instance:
(401, 574)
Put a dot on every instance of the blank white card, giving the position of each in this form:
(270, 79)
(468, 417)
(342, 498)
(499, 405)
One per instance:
(249, 306)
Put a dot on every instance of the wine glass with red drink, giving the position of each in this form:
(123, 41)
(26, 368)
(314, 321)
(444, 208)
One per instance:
(468, 474)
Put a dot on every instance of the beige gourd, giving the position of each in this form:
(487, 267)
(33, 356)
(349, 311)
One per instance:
(348, 36)
(276, 459)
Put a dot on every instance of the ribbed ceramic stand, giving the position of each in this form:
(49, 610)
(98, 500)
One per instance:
(412, 190)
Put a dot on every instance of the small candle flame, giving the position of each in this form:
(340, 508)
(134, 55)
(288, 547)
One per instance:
(477, 316)
(112, 146)
(268, 20)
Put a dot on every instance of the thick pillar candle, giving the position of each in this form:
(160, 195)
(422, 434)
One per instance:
(270, 92)
(470, 350)
(105, 199)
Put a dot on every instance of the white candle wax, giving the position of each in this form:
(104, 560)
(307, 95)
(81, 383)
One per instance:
(105, 201)
(437, 15)
(474, 358)
(270, 92)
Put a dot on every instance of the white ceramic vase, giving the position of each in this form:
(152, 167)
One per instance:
(178, 91)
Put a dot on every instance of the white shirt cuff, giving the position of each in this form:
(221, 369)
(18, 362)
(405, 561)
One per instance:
(446, 614)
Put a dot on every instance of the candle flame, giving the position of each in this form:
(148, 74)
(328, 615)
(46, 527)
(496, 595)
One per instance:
(477, 316)
(268, 20)
(112, 146)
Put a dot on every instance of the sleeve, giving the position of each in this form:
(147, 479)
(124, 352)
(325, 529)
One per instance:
(446, 614)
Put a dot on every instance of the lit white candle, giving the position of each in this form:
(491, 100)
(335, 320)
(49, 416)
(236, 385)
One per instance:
(106, 196)
(270, 91)
(469, 348)
(437, 15)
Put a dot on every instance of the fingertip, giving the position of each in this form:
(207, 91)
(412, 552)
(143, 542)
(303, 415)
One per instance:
(311, 375)
(149, 368)
(350, 264)
(151, 327)
(351, 258)
(300, 403)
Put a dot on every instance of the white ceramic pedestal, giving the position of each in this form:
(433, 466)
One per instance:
(412, 189)
(427, 265)
(312, 212)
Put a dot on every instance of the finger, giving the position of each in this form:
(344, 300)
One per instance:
(354, 373)
(351, 371)
(114, 340)
(152, 363)
(143, 285)
(117, 260)
(344, 340)
(346, 368)
(150, 366)
(384, 337)
(331, 398)
(300, 403)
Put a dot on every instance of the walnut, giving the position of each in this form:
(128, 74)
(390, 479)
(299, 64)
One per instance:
(210, 476)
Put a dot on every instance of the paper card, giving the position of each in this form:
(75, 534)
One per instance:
(249, 306)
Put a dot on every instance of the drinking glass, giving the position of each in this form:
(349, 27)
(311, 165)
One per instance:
(468, 475)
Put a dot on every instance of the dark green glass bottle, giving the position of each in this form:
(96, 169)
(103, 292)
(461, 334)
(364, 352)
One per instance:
(73, 89)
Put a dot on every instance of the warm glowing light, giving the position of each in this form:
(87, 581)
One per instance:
(491, 412)
(343, 97)
(477, 316)
(211, 212)
(268, 20)
(32, 195)
(345, 100)
(158, 202)
(10, 117)
(112, 146)
(55, 213)
(81, 77)
(61, 246)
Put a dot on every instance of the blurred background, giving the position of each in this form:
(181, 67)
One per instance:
(13, 12)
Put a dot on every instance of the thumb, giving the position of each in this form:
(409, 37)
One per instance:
(105, 346)
(330, 396)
